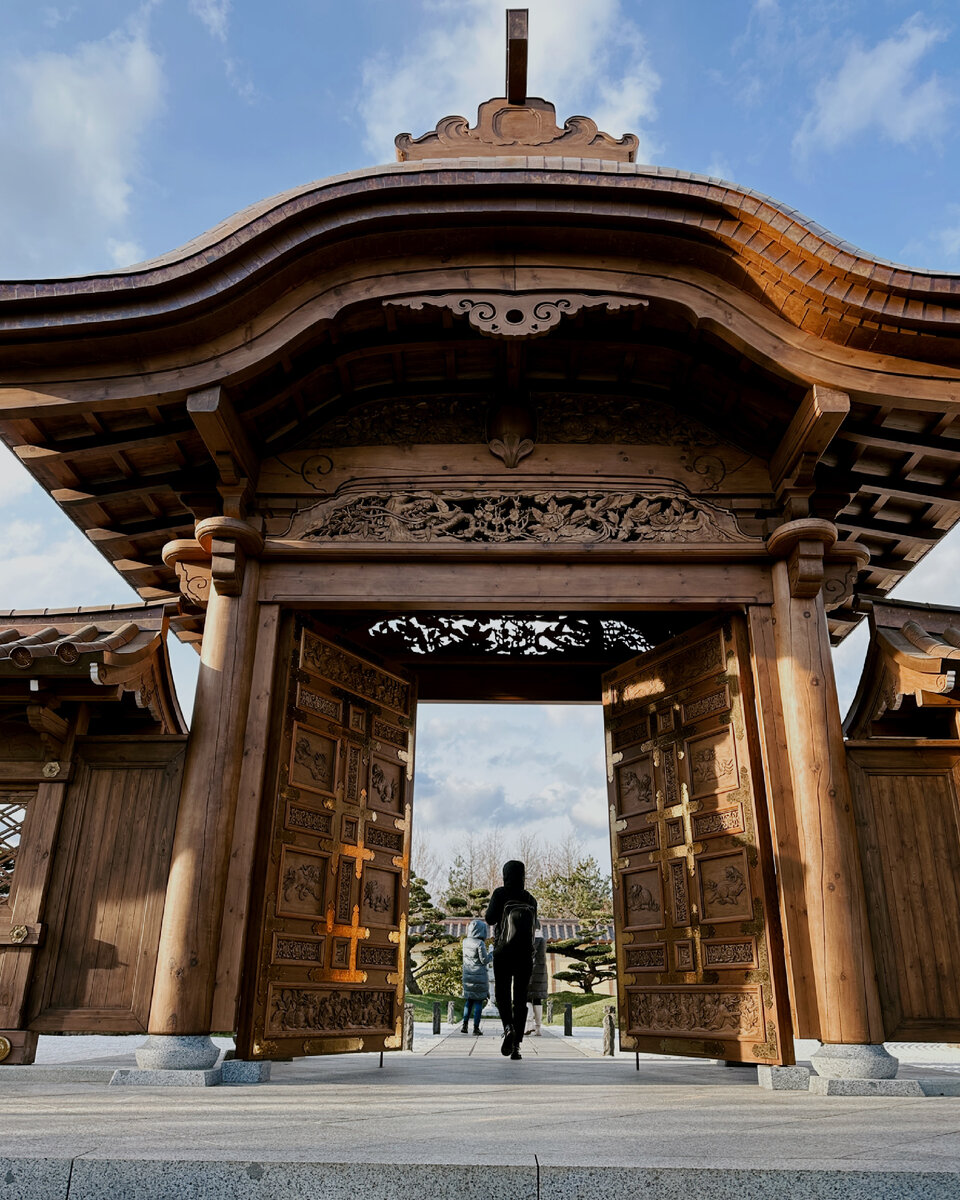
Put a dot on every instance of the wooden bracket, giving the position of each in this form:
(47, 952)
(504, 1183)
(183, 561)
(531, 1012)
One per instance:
(814, 425)
(802, 544)
(228, 541)
(53, 729)
(223, 435)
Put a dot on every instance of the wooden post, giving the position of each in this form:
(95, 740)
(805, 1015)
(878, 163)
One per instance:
(568, 1020)
(839, 935)
(193, 912)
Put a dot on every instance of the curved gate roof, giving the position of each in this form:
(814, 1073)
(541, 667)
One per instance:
(719, 301)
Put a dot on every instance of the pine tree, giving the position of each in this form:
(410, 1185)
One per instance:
(430, 936)
(594, 962)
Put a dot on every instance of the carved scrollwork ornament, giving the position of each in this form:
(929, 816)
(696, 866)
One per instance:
(516, 314)
(506, 128)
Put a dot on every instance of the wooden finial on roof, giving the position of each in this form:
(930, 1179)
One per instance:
(517, 25)
(516, 124)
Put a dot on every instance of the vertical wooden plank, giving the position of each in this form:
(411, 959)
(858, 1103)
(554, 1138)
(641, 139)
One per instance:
(910, 849)
(236, 906)
(885, 940)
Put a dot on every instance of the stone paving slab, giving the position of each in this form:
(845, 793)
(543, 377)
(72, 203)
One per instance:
(456, 1115)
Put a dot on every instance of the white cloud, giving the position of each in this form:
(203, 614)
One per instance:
(49, 566)
(124, 254)
(575, 52)
(15, 480)
(719, 168)
(878, 89)
(54, 16)
(70, 139)
(214, 14)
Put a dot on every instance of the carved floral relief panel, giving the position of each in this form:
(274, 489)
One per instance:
(662, 515)
(712, 763)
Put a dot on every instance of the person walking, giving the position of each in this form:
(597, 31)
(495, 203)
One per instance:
(539, 985)
(476, 975)
(514, 912)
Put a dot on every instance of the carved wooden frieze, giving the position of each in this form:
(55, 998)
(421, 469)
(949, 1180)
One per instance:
(354, 674)
(321, 1010)
(665, 515)
(505, 128)
(516, 315)
(689, 1011)
(561, 418)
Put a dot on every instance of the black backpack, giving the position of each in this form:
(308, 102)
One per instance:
(516, 928)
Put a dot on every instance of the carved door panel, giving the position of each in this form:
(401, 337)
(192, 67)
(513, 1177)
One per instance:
(325, 961)
(700, 964)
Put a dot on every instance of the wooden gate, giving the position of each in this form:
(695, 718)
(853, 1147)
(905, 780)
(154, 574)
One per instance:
(699, 953)
(325, 963)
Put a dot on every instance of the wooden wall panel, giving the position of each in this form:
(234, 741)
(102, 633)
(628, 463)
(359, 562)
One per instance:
(95, 969)
(908, 829)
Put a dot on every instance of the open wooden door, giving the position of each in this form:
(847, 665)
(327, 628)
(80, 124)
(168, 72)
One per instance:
(324, 970)
(700, 965)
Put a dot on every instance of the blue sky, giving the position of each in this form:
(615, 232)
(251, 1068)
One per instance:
(128, 128)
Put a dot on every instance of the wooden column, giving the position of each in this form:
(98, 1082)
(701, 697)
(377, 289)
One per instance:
(839, 935)
(193, 912)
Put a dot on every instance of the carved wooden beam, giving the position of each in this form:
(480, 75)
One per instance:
(224, 436)
(814, 425)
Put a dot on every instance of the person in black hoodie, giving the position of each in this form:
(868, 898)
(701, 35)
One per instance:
(512, 963)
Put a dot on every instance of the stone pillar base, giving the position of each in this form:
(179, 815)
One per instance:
(784, 1079)
(167, 1052)
(835, 1061)
(176, 1078)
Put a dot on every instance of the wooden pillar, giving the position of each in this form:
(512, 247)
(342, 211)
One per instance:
(839, 935)
(193, 911)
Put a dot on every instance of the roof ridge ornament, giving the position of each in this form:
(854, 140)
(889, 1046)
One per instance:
(516, 124)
